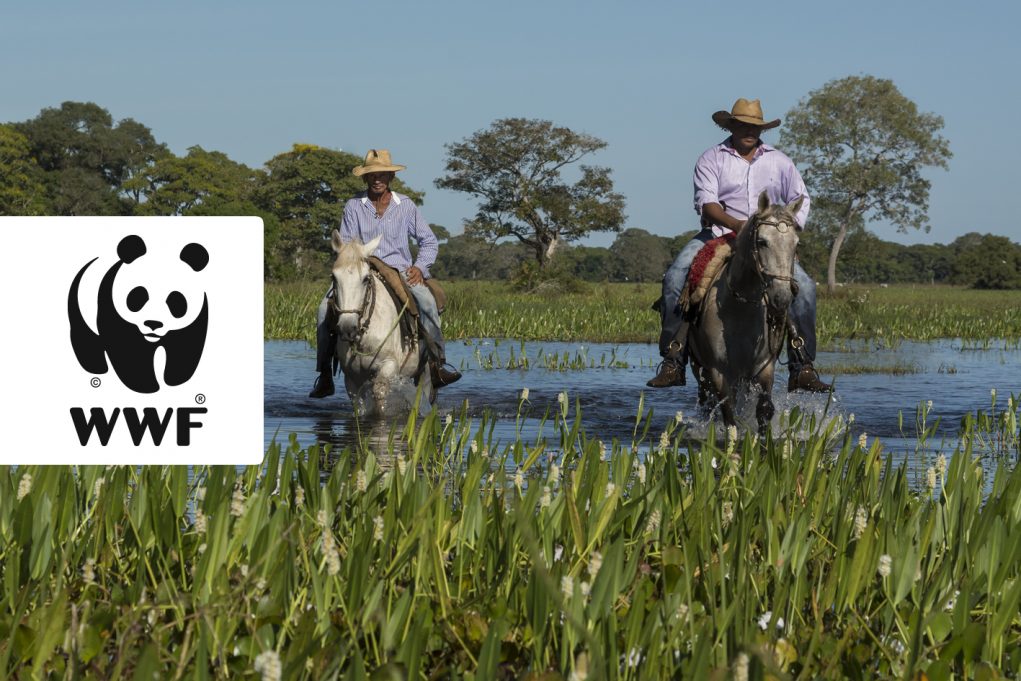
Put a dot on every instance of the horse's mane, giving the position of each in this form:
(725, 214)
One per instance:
(350, 254)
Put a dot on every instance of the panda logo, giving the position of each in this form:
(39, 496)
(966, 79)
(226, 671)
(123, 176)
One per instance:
(138, 313)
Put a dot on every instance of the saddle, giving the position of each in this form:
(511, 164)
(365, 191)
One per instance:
(400, 291)
(402, 297)
(705, 269)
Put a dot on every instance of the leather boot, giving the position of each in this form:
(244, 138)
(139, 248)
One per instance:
(442, 373)
(807, 380)
(323, 386)
(671, 372)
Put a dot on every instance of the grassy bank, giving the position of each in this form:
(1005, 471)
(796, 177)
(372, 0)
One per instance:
(619, 313)
(440, 556)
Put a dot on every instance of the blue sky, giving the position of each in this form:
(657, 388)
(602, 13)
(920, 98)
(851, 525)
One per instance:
(252, 78)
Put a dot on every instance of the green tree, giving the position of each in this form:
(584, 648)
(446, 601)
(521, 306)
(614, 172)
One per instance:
(640, 256)
(86, 158)
(515, 167)
(861, 146)
(986, 261)
(21, 187)
(180, 185)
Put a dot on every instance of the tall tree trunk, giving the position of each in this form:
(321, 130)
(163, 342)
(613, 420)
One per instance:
(831, 272)
(547, 247)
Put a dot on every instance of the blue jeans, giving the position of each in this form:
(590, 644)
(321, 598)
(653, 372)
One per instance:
(802, 309)
(428, 319)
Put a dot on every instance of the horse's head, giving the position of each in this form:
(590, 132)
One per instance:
(772, 238)
(352, 285)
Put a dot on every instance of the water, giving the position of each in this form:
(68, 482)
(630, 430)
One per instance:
(956, 379)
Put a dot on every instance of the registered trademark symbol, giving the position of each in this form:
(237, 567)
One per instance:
(200, 399)
(95, 382)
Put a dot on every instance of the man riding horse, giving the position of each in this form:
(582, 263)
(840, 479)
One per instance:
(728, 180)
(380, 211)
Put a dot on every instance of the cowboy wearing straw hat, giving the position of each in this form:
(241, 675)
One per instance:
(728, 180)
(379, 210)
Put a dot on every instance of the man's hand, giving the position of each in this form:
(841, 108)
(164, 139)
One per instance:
(414, 276)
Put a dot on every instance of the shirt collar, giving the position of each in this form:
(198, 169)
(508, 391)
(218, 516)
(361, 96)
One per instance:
(726, 146)
(394, 196)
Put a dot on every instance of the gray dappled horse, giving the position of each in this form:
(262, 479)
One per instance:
(370, 350)
(738, 332)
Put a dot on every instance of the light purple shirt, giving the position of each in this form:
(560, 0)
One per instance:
(401, 220)
(722, 176)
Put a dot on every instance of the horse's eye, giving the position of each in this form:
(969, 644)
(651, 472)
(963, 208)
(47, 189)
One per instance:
(762, 243)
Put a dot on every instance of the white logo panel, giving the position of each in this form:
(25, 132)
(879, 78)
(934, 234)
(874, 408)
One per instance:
(132, 340)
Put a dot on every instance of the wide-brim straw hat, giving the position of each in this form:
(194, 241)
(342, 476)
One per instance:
(746, 111)
(377, 161)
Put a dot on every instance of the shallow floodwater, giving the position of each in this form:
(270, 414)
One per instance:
(957, 379)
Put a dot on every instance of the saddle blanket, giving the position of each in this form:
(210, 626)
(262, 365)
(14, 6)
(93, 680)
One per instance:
(704, 268)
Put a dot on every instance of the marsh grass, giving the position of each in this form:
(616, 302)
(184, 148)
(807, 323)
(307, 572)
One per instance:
(804, 557)
(619, 313)
(899, 368)
(517, 358)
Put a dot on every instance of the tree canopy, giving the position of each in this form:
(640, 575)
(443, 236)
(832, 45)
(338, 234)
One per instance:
(86, 158)
(515, 167)
(861, 146)
(21, 187)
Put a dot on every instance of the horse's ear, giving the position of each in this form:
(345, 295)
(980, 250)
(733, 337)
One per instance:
(371, 247)
(335, 241)
(795, 205)
(763, 201)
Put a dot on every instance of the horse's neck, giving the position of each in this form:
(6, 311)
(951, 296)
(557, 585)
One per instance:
(384, 314)
(742, 276)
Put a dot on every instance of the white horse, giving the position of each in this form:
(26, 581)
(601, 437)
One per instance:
(739, 331)
(370, 350)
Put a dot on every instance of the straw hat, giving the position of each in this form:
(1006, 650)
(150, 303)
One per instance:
(745, 111)
(377, 161)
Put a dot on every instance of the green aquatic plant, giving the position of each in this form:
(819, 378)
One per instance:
(443, 552)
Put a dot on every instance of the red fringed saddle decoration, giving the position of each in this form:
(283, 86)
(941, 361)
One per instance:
(705, 266)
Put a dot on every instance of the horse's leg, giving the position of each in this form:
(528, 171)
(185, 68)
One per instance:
(764, 411)
(727, 409)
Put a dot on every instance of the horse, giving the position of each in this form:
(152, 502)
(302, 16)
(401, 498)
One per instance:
(738, 331)
(370, 349)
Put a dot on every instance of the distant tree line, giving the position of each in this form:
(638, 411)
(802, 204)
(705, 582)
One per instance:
(976, 260)
(77, 160)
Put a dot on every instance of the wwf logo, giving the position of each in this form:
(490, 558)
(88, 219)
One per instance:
(144, 303)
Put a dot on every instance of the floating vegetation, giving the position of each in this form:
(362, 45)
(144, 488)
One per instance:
(898, 368)
(447, 554)
(550, 361)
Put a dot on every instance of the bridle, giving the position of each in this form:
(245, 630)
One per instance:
(365, 311)
(766, 278)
